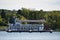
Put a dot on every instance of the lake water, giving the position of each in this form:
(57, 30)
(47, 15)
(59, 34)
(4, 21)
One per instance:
(29, 36)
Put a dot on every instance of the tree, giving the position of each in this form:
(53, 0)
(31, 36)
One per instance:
(19, 12)
(3, 14)
(4, 17)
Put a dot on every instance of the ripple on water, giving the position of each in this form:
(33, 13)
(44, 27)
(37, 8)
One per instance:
(29, 36)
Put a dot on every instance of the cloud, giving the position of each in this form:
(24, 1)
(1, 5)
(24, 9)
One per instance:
(32, 4)
(42, 4)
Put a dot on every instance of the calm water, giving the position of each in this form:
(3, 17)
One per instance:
(29, 36)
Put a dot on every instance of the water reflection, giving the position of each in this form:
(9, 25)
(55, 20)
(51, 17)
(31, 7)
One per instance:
(29, 36)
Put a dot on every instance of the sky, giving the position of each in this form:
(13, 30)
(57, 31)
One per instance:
(47, 5)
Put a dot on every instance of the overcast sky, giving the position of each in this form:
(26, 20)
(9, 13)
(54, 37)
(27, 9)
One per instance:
(30, 4)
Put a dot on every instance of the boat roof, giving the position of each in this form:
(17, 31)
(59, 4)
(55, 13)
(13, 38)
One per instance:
(32, 20)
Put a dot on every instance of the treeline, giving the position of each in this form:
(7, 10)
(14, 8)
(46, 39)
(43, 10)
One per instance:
(52, 17)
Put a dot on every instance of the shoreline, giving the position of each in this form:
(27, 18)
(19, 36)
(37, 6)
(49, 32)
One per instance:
(52, 31)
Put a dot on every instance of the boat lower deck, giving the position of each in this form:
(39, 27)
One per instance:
(31, 31)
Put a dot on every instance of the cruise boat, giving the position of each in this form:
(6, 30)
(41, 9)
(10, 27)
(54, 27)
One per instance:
(19, 27)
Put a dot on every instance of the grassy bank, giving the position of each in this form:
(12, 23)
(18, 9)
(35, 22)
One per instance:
(2, 28)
